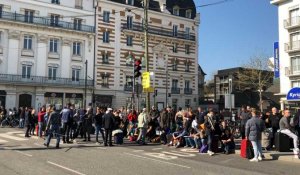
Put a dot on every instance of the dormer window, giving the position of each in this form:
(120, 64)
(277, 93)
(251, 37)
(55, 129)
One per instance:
(176, 10)
(130, 2)
(188, 14)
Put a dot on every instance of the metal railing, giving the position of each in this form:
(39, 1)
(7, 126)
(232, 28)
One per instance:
(188, 91)
(291, 22)
(159, 31)
(45, 22)
(127, 88)
(44, 81)
(292, 46)
(175, 90)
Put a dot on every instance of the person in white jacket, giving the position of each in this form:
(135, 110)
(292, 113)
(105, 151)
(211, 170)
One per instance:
(142, 126)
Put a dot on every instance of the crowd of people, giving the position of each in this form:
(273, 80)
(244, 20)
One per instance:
(206, 131)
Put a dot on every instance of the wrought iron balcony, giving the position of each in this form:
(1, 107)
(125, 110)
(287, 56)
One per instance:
(292, 22)
(293, 46)
(43, 81)
(158, 31)
(128, 87)
(175, 90)
(188, 91)
(9, 16)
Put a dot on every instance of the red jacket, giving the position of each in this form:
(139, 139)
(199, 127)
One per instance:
(41, 115)
(132, 117)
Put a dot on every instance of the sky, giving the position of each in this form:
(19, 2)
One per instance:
(232, 32)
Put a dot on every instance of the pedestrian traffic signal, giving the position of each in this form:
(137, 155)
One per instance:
(137, 68)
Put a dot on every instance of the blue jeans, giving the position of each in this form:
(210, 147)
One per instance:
(257, 148)
(54, 130)
(40, 132)
(99, 129)
(189, 141)
(21, 124)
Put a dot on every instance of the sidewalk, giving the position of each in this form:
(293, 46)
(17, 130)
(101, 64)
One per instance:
(275, 155)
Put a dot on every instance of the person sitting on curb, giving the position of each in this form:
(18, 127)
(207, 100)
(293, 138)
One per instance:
(286, 128)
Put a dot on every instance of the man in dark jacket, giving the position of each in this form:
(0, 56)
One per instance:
(66, 119)
(53, 127)
(108, 124)
(244, 116)
(210, 129)
(274, 123)
(164, 125)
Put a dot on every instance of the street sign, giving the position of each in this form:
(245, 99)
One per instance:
(146, 80)
(293, 94)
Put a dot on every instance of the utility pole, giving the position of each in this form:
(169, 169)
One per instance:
(85, 83)
(146, 6)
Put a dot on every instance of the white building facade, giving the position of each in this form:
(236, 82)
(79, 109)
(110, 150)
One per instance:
(173, 52)
(44, 48)
(289, 49)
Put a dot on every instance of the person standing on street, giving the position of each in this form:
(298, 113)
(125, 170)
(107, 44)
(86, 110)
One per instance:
(274, 123)
(286, 129)
(244, 116)
(28, 121)
(41, 115)
(142, 126)
(209, 123)
(98, 124)
(66, 116)
(254, 128)
(108, 123)
(53, 126)
(88, 124)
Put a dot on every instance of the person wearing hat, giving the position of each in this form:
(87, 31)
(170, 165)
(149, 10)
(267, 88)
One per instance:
(108, 123)
(142, 125)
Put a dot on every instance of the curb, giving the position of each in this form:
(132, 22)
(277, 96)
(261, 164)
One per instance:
(280, 156)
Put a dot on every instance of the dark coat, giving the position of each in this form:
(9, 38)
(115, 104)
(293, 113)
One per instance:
(254, 127)
(108, 121)
(164, 120)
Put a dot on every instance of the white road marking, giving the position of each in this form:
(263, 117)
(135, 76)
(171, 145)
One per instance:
(161, 156)
(179, 154)
(32, 137)
(156, 149)
(12, 137)
(28, 155)
(169, 163)
(65, 168)
(101, 148)
(3, 141)
(138, 151)
(16, 132)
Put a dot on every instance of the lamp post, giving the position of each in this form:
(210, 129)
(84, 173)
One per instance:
(85, 82)
(230, 91)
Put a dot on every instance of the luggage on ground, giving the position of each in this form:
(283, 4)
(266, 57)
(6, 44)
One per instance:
(118, 138)
(246, 149)
(282, 142)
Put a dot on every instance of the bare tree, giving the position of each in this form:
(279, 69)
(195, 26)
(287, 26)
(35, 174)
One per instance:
(256, 74)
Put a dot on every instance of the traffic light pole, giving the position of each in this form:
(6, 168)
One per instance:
(146, 5)
(133, 87)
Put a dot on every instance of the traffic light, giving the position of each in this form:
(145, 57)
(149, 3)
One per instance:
(155, 93)
(137, 68)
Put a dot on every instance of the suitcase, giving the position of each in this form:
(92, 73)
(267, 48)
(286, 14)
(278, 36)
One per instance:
(118, 138)
(246, 149)
(282, 142)
(132, 138)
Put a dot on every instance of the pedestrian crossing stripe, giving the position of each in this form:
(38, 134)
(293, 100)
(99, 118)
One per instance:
(3, 141)
(7, 136)
(34, 137)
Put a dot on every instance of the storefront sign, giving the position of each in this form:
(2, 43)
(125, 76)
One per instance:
(276, 60)
(293, 94)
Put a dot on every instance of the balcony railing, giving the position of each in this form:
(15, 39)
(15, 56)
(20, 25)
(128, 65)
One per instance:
(45, 22)
(175, 90)
(292, 46)
(43, 81)
(292, 22)
(158, 31)
(128, 88)
(188, 91)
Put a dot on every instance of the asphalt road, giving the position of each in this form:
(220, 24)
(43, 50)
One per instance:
(22, 156)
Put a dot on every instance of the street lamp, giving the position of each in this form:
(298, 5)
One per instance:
(230, 91)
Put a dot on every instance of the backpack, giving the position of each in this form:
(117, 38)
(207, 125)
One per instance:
(203, 149)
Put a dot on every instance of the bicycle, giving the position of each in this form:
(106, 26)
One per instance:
(8, 121)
